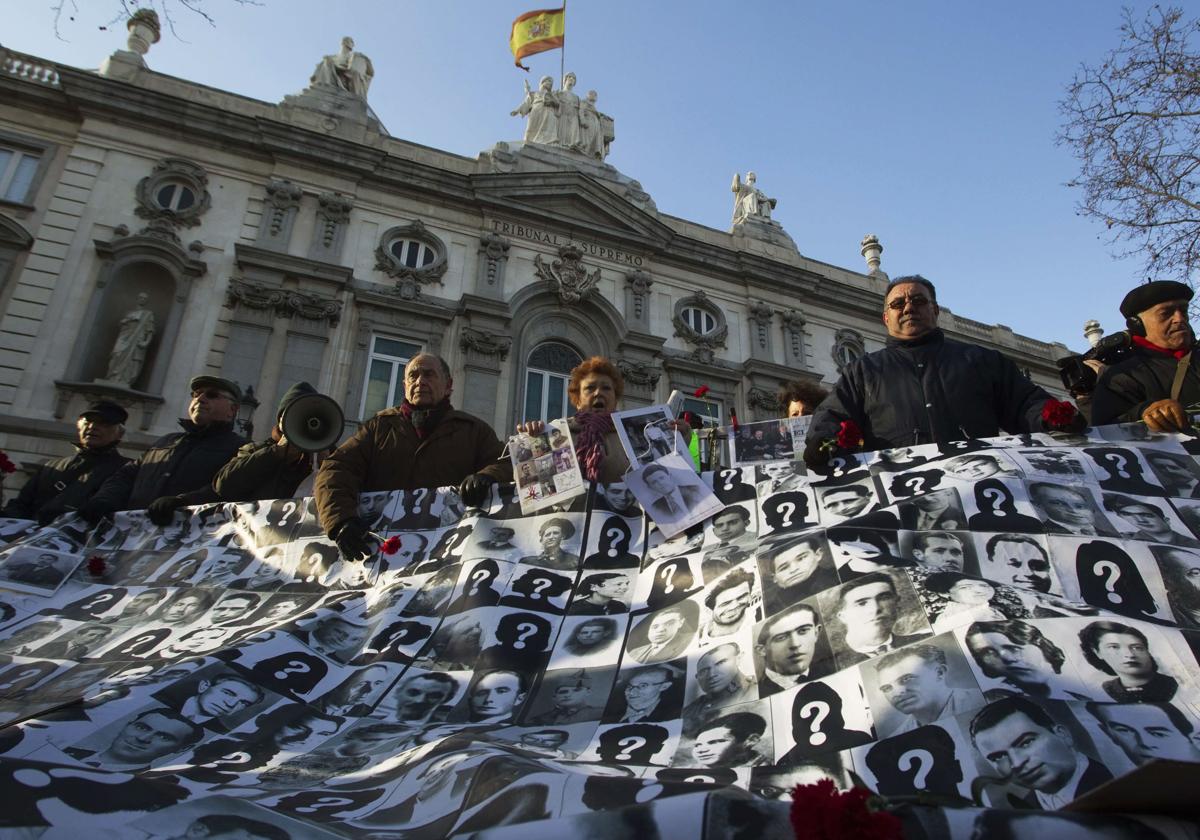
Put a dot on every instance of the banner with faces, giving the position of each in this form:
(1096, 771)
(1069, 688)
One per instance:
(1008, 623)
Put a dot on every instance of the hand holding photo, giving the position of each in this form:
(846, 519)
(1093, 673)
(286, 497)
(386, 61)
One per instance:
(672, 494)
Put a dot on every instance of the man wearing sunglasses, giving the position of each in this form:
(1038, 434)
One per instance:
(926, 388)
(178, 469)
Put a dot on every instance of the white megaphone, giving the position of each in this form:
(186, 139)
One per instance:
(312, 423)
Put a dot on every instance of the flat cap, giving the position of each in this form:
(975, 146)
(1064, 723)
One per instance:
(217, 382)
(1152, 294)
(105, 411)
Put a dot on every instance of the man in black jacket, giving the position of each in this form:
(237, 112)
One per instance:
(272, 469)
(926, 388)
(1158, 379)
(62, 485)
(178, 469)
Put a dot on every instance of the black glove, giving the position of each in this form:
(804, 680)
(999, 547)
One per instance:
(162, 510)
(817, 456)
(354, 541)
(92, 511)
(474, 489)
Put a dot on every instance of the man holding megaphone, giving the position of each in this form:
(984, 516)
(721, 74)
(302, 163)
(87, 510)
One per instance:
(306, 424)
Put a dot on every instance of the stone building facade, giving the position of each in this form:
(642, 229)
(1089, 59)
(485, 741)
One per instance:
(298, 240)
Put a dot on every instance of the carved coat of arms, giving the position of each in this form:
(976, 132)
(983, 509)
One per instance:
(567, 274)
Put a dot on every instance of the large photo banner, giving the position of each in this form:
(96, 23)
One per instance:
(999, 626)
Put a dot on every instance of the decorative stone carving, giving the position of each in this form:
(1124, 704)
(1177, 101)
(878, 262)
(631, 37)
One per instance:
(409, 279)
(493, 256)
(279, 210)
(760, 328)
(484, 343)
(333, 214)
(144, 30)
(567, 274)
(347, 71)
(559, 118)
(762, 399)
(703, 345)
(749, 201)
(847, 346)
(639, 373)
(134, 335)
(637, 284)
(637, 196)
(793, 335)
(286, 303)
(871, 251)
(175, 192)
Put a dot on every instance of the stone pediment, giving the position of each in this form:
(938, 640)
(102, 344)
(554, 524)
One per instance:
(570, 199)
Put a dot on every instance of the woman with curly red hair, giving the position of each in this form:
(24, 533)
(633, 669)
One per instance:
(595, 389)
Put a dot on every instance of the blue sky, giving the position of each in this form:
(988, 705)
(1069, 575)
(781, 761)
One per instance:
(928, 124)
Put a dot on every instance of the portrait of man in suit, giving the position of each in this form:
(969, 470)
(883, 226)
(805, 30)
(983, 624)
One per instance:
(1068, 510)
(1031, 749)
(667, 633)
(788, 650)
(868, 610)
(940, 510)
(674, 499)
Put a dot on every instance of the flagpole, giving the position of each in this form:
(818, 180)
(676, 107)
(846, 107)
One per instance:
(562, 54)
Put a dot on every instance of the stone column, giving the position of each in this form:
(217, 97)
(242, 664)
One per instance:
(483, 353)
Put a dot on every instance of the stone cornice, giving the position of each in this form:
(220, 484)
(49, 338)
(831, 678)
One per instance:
(252, 257)
(255, 135)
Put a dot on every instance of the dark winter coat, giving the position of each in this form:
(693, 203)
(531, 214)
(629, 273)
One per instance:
(1126, 389)
(65, 483)
(181, 464)
(261, 471)
(386, 454)
(930, 390)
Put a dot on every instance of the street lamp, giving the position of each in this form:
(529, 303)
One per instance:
(245, 416)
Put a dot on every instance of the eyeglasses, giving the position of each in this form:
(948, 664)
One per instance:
(917, 301)
(643, 686)
(211, 394)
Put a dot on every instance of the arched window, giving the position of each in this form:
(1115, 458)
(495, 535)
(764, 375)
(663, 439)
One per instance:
(547, 372)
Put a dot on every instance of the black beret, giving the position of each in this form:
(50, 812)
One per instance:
(1152, 294)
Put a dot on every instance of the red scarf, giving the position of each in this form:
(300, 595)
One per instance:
(589, 441)
(1141, 341)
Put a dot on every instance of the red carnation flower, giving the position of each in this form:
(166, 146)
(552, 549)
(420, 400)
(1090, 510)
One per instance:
(96, 566)
(390, 546)
(820, 812)
(1058, 414)
(701, 391)
(6, 464)
(849, 436)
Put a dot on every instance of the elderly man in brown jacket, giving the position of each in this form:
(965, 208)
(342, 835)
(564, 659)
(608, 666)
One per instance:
(422, 442)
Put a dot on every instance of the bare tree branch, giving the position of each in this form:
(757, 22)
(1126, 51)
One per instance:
(1134, 124)
(122, 10)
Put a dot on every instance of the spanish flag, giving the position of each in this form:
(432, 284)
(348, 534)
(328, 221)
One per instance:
(535, 32)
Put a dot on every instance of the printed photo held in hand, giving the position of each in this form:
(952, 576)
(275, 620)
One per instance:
(545, 467)
(672, 494)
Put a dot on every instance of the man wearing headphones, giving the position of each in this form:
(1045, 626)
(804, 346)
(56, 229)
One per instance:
(1159, 378)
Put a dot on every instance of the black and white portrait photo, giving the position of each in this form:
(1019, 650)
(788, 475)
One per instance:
(918, 685)
(672, 494)
(872, 615)
(793, 567)
(37, 571)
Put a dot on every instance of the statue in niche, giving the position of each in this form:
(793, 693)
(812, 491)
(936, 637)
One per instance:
(568, 115)
(348, 70)
(541, 108)
(749, 202)
(134, 335)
